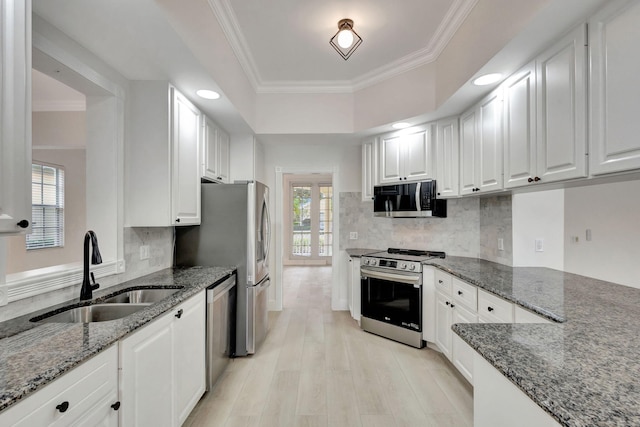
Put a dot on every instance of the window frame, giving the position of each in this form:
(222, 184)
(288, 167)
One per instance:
(58, 208)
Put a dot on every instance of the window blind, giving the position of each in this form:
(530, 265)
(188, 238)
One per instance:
(47, 207)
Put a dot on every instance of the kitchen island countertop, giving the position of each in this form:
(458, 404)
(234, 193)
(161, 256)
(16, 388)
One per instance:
(582, 371)
(34, 354)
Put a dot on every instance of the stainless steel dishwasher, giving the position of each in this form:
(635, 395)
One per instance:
(221, 315)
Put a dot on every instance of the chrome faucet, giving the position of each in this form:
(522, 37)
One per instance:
(86, 292)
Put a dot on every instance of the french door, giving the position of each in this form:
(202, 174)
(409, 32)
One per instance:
(311, 220)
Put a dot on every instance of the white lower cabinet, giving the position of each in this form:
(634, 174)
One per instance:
(493, 309)
(162, 367)
(353, 288)
(520, 315)
(499, 403)
(455, 303)
(85, 396)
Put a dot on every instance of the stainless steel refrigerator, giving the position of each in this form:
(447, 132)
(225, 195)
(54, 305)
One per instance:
(234, 230)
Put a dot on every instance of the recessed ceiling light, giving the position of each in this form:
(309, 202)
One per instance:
(487, 79)
(208, 94)
(401, 125)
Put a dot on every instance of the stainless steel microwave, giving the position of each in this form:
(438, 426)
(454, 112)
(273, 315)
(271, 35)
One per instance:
(408, 200)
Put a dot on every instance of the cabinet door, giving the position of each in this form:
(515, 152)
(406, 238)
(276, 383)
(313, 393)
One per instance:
(446, 158)
(461, 353)
(223, 156)
(355, 288)
(416, 154)
(369, 169)
(443, 323)
(390, 158)
(489, 160)
(614, 88)
(468, 144)
(189, 354)
(185, 172)
(210, 151)
(562, 109)
(520, 128)
(146, 375)
(15, 116)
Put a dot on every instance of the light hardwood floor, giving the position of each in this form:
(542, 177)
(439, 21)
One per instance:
(317, 368)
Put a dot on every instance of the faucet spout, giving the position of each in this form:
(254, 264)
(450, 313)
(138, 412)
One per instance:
(86, 291)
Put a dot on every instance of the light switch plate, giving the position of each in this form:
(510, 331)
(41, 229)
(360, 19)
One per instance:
(501, 244)
(353, 235)
(539, 245)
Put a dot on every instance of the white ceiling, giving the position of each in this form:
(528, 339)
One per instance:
(48, 94)
(286, 43)
(283, 45)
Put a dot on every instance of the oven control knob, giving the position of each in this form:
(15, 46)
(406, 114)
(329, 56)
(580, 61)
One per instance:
(373, 262)
(365, 261)
(403, 266)
(412, 267)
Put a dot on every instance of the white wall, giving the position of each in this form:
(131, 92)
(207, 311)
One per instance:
(18, 258)
(612, 213)
(538, 215)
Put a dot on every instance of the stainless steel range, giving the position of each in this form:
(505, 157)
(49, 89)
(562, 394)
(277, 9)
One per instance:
(391, 289)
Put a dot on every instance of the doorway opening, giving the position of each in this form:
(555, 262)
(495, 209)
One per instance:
(308, 219)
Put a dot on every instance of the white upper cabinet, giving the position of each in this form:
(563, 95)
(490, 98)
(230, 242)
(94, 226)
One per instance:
(406, 155)
(162, 170)
(562, 109)
(215, 152)
(15, 116)
(446, 157)
(185, 143)
(369, 168)
(614, 88)
(520, 127)
(481, 146)
(545, 116)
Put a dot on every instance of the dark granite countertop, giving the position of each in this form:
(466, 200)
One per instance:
(540, 290)
(360, 252)
(34, 354)
(583, 371)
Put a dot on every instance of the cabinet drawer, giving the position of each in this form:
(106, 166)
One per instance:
(443, 282)
(84, 389)
(465, 294)
(493, 309)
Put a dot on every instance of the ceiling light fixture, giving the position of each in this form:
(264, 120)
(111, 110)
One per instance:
(207, 94)
(345, 41)
(487, 79)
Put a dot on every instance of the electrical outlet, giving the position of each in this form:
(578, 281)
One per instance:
(574, 239)
(353, 235)
(501, 244)
(539, 245)
(144, 252)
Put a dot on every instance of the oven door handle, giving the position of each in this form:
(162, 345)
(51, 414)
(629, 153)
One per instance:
(411, 280)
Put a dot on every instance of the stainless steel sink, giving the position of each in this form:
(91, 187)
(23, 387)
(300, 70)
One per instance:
(140, 296)
(91, 313)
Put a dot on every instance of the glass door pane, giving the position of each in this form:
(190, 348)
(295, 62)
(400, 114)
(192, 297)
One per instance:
(325, 227)
(301, 220)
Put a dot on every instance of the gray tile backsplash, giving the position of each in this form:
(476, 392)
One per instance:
(471, 227)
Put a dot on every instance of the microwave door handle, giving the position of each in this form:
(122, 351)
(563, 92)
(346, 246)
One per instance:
(418, 198)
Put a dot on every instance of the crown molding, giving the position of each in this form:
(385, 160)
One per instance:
(451, 22)
(229, 23)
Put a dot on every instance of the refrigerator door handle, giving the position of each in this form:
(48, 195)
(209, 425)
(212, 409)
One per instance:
(266, 229)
